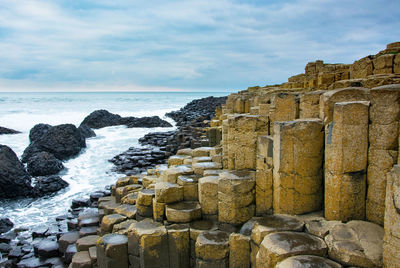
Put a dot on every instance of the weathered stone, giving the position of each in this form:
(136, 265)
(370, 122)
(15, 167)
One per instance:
(202, 151)
(124, 181)
(309, 104)
(172, 173)
(166, 192)
(357, 243)
(120, 192)
(264, 175)
(222, 263)
(108, 207)
(279, 246)
(383, 64)
(239, 251)
(320, 227)
(112, 251)
(212, 245)
(126, 210)
(212, 172)
(272, 224)
(199, 168)
(66, 240)
(108, 222)
(391, 245)
(144, 211)
(208, 194)
(308, 261)
(190, 187)
(179, 245)
(183, 212)
(329, 98)
(148, 180)
(186, 151)
(122, 228)
(84, 243)
(361, 68)
(93, 255)
(158, 211)
(145, 197)
(236, 182)
(176, 160)
(298, 154)
(130, 199)
(198, 227)
(81, 260)
(149, 241)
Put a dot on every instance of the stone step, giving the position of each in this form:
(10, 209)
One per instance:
(126, 210)
(199, 168)
(112, 251)
(109, 221)
(81, 260)
(84, 243)
(183, 212)
(166, 192)
(212, 246)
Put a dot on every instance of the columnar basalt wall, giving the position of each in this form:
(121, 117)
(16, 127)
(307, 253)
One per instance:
(391, 245)
(284, 107)
(383, 146)
(346, 150)
(297, 156)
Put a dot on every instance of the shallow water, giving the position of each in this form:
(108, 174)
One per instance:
(90, 170)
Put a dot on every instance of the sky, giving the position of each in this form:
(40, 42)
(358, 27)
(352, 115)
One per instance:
(191, 45)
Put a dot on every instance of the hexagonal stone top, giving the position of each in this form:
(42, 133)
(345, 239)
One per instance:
(308, 261)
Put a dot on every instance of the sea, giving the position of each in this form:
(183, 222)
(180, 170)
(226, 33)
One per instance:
(90, 170)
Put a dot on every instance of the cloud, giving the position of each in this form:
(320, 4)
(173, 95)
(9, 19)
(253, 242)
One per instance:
(198, 45)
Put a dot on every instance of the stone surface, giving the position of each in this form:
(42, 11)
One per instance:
(212, 245)
(279, 246)
(66, 240)
(199, 168)
(208, 194)
(264, 175)
(183, 212)
(84, 243)
(190, 187)
(112, 251)
(108, 222)
(126, 210)
(81, 260)
(308, 261)
(239, 251)
(179, 245)
(357, 243)
(166, 192)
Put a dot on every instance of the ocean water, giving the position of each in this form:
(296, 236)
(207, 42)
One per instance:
(90, 170)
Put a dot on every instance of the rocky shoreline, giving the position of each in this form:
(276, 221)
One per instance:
(41, 247)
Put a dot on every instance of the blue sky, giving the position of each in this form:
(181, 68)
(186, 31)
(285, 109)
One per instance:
(222, 45)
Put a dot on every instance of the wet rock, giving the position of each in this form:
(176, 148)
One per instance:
(47, 185)
(40, 231)
(67, 239)
(80, 202)
(43, 164)
(31, 262)
(82, 260)
(86, 242)
(148, 122)
(14, 180)
(69, 253)
(5, 248)
(38, 131)
(5, 225)
(86, 131)
(16, 253)
(47, 248)
(4, 130)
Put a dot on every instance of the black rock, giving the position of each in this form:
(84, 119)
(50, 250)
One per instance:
(4, 130)
(86, 131)
(43, 164)
(47, 248)
(147, 122)
(38, 131)
(14, 180)
(69, 253)
(5, 225)
(16, 253)
(100, 119)
(5, 248)
(40, 231)
(49, 184)
(30, 151)
(31, 262)
(80, 202)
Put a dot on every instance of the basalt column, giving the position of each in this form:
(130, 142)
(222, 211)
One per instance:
(346, 149)
(383, 146)
(297, 154)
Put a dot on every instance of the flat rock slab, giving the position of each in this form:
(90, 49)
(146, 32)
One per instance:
(177, 160)
(308, 261)
(201, 159)
(86, 242)
(47, 248)
(278, 246)
(172, 173)
(212, 245)
(321, 227)
(129, 199)
(145, 197)
(183, 212)
(236, 181)
(109, 220)
(198, 227)
(202, 151)
(85, 231)
(274, 223)
(186, 151)
(122, 228)
(356, 243)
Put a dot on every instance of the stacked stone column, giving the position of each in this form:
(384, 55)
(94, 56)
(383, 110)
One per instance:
(346, 148)
(236, 197)
(297, 154)
(284, 107)
(264, 175)
(383, 146)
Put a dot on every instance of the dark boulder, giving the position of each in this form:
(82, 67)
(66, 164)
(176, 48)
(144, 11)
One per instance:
(64, 141)
(43, 164)
(5, 225)
(38, 131)
(14, 180)
(86, 131)
(4, 130)
(30, 151)
(48, 185)
(101, 118)
(146, 122)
